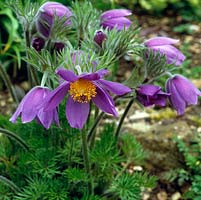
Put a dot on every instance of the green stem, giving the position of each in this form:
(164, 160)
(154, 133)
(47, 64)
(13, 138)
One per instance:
(44, 78)
(92, 132)
(32, 75)
(8, 83)
(123, 169)
(123, 117)
(86, 160)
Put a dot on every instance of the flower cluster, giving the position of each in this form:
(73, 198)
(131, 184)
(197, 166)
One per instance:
(82, 88)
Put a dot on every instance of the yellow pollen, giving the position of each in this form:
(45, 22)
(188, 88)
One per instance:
(82, 90)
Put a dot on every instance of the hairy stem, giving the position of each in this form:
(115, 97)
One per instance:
(86, 160)
(123, 117)
(91, 134)
(32, 75)
(8, 83)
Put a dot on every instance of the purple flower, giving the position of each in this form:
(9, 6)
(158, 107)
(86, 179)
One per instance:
(30, 108)
(183, 93)
(164, 46)
(82, 89)
(99, 38)
(38, 43)
(116, 19)
(58, 46)
(45, 17)
(149, 95)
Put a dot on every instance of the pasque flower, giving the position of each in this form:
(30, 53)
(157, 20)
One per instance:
(183, 93)
(149, 95)
(100, 37)
(38, 43)
(164, 45)
(116, 18)
(30, 108)
(82, 89)
(46, 14)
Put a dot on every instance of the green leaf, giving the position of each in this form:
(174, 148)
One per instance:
(15, 137)
(9, 183)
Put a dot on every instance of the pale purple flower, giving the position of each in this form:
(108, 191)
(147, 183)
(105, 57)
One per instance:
(46, 14)
(183, 93)
(38, 43)
(116, 18)
(149, 95)
(164, 45)
(82, 89)
(100, 37)
(30, 108)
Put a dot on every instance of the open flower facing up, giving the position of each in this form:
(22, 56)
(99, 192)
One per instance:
(116, 18)
(46, 14)
(164, 46)
(82, 89)
(149, 95)
(30, 108)
(183, 93)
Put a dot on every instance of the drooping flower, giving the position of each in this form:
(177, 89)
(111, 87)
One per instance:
(82, 89)
(46, 14)
(116, 18)
(100, 37)
(183, 93)
(38, 43)
(30, 108)
(164, 45)
(149, 95)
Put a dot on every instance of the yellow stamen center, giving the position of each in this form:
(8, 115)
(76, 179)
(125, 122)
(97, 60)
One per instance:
(82, 90)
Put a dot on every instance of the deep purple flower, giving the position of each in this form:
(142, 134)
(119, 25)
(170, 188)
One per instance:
(183, 93)
(100, 37)
(116, 19)
(82, 89)
(38, 43)
(45, 16)
(58, 46)
(149, 95)
(164, 45)
(30, 108)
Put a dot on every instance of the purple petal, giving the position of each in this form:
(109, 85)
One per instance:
(45, 118)
(76, 113)
(115, 13)
(175, 99)
(56, 117)
(66, 75)
(116, 88)
(158, 41)
(18, 111)
(118, 23)
(31, 102)
(56, 96)
(148, 89)
(90, 76)
(102, 72)
(104, 101)
(186, 89)
(161, 100)
(173, 55)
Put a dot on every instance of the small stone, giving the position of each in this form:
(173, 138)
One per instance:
(162, 195)
(137, 168)
(176, 196)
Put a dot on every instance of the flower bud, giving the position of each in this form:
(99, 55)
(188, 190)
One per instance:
(99, 38)
(46, 14)
(58, 46)
(38, 43)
